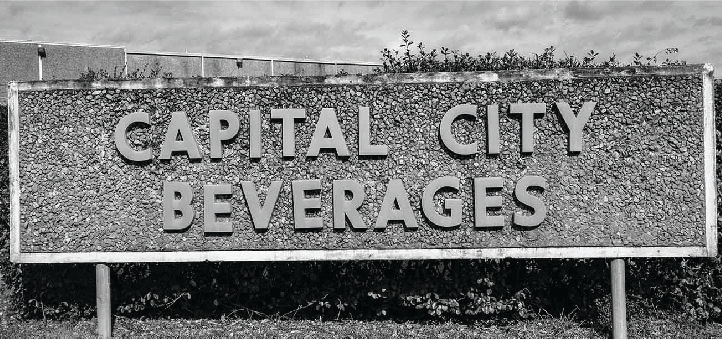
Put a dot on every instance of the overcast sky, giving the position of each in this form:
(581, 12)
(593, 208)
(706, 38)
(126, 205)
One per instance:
(357, 31)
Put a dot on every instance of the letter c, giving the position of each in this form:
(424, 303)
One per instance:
(121, 140)
(447, 137)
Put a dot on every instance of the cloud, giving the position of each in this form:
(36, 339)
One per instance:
(708, 21)
(576, 10)
(359, 30)
(294, 37)
(591, 11)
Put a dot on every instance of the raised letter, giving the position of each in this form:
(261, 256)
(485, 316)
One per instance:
(121, 141)
(173, 206)
(396, 194)
(528, 112)
(301, 203)
(535, 203)
(492, 129)
(575, 124)
(447, 137)
(179, 126)
(261, 214)
(482, 202)
(364, 136)
(288, 118)
(217, 134)
(452, 205)
(327, 121)
(211, 208)
(254, 134)
(343, 208)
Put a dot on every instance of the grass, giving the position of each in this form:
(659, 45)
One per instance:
(541, 327)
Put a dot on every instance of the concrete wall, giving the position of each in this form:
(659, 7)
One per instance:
(177, 66)
(252, 67)
(355, 69)
(190, 66)
(67, 62)
(19, 61)
(309, 69)
(284, 68)
(334, 69)
(236, 67)
(221, 67)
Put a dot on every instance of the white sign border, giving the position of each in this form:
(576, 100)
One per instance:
(709, 250)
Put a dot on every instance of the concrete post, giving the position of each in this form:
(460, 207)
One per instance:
(102, 300)
(619, 303)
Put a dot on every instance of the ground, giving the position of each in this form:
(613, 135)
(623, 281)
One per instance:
(540, 327)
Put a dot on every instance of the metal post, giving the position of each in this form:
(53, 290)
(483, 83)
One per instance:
(40, 64)
(102, 300)
(619, 303)
(125, 63)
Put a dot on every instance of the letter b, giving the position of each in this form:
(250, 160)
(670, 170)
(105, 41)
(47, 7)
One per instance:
(171, 206)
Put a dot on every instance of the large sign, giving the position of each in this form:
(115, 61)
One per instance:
(538, 163)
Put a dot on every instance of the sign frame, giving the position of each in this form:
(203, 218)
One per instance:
(710, 187)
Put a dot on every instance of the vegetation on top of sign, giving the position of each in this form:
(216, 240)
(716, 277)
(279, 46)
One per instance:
(119, 73)
(448, 60)
(147, 72)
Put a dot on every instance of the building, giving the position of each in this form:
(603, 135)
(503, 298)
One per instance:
(34, 60)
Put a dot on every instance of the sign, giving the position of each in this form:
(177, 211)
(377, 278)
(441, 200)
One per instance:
(532, 164)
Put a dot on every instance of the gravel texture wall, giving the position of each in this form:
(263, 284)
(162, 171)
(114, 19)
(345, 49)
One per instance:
(637, 182)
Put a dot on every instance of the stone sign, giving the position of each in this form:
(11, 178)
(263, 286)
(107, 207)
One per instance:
(537, 163)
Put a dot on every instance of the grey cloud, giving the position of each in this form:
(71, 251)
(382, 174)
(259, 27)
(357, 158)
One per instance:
(596, 10)
(580, 11)
(358, 31)
(297, 38)
(709, 21)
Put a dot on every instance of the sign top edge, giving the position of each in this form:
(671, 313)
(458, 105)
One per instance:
(369, 79)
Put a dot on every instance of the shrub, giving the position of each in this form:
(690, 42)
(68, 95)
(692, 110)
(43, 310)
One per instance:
(148, 71)
(405, 60)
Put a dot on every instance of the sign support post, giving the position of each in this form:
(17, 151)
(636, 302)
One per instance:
(102, 300)
(619, 303)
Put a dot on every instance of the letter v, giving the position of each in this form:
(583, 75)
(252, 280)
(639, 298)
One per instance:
(261, 215)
